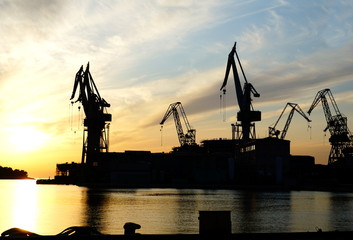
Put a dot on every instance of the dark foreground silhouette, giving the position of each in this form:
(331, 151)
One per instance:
(91, 233)
(208, 230)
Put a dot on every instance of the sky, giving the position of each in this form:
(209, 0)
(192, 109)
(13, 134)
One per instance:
(145, 55)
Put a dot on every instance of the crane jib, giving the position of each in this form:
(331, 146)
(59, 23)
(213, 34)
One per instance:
(96, 120)
(246, 115)
(188, 138)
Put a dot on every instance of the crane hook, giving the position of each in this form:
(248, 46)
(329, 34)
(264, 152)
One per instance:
(223, 103)
(161, 134)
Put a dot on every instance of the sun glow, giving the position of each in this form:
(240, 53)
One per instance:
(26, 138)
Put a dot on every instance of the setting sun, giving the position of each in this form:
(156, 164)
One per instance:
(26, 138)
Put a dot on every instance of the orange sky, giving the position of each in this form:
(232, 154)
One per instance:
(147, 55)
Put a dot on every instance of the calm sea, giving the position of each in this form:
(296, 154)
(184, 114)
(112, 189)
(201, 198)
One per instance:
(48, 209)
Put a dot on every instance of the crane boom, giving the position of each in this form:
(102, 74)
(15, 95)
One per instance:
(246, 115)
(187, 138)
(95, 122)
(295, 107)
(341, 138)
(336, 124)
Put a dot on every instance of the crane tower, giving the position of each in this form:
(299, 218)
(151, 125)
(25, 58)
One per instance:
(246, 115)
(95, 135)
(187, 138)
(341, 139)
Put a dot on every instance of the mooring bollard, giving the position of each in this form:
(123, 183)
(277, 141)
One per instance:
(130, 228)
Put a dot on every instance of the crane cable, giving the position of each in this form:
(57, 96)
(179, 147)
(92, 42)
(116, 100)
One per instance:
(70, 115)
(71, 121)
(161, 130)
(222, 103)
(79, 118)
(309, 129)
(71, 118)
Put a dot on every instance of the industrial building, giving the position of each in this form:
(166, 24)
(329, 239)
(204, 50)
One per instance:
(215, 164)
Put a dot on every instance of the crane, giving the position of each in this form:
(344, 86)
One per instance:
(246, 115)
(295, 107)
(187, 138)
(96, 116)
(341, 139)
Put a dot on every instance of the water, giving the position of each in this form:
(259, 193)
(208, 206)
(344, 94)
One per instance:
(48, 209)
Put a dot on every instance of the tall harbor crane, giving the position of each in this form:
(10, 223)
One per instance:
(295, 107)
(187, 138)
(95, 135)
(341, 138)
(246, 115)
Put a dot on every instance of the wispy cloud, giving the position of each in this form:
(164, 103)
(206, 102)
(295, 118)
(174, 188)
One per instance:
(146, 55)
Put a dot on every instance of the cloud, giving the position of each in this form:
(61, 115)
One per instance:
(146, 55)
(295, 81)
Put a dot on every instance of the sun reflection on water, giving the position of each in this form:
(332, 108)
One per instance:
(49, 209)
(24, 205)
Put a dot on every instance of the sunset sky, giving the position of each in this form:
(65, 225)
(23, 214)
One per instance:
(145, 55)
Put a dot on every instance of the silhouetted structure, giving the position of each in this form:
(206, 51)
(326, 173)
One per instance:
(95, 123)
(242, 161)
(213, 164)
(341, 138)
(188, 138)
(246, 116)
(268, 161)
(273, 132)
(215, 223)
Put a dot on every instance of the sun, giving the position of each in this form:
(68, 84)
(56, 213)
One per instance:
(26, 138)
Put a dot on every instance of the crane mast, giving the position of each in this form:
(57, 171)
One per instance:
(295, 107)
(341, 139)
(95, 135)
(246, 115)
(187, 138)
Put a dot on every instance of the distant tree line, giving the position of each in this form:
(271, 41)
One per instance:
(9, 173)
